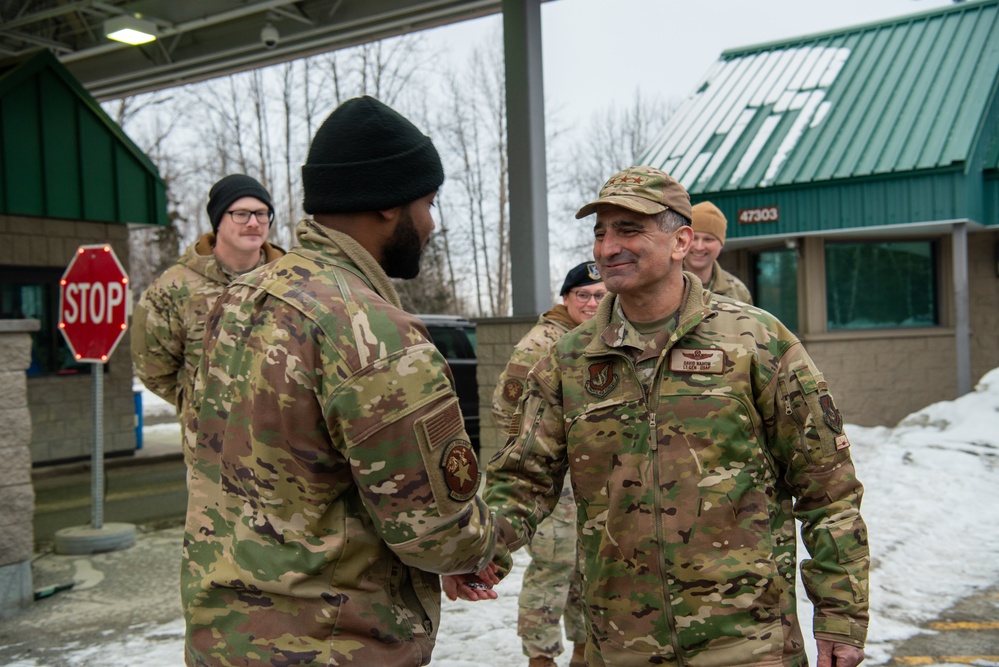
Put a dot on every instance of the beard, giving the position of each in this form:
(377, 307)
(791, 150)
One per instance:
(403, 251)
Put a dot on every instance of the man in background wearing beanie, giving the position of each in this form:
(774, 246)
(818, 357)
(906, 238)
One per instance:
(709, 227)
(694, 429)
(169, 320)
(333, 480)
(551, 581)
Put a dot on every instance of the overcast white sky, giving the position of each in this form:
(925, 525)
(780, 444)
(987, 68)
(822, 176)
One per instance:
(596, 51)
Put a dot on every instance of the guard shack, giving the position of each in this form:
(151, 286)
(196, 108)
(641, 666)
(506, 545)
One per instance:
(859, 173)
(69, 176)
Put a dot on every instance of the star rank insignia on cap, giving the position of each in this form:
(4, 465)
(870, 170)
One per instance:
(461, 470)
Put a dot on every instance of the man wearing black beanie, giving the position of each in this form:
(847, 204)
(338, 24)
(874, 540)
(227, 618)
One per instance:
(333, 479)
(169, 319)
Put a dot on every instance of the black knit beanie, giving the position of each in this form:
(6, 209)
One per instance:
(368, 157)
(228, 190)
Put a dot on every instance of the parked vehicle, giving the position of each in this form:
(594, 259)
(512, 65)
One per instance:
(454, 336)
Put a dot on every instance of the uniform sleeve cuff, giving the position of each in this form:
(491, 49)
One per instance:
(843, 630)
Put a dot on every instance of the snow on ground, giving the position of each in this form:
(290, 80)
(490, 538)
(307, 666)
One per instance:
(154, 408)
(931, 505)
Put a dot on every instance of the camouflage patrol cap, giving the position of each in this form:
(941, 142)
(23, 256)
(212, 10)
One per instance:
(643, 190)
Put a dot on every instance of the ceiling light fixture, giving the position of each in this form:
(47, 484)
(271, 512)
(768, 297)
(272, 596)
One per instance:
(130, 29)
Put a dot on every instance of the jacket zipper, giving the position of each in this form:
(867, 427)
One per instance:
(530, 443)
(652, 405)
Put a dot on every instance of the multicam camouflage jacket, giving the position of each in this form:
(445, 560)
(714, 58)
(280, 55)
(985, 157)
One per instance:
(686, 497)
(169, 320)
(724, 283)
(528, 351)
(333, 478)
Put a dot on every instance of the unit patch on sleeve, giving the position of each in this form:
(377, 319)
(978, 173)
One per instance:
(513, 389)
(683, 360)
(461, 470)
(831, 415)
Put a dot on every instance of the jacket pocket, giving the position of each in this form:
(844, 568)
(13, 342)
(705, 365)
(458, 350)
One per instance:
(853, 553)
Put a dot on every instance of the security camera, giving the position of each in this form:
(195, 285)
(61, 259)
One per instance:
(269, 36)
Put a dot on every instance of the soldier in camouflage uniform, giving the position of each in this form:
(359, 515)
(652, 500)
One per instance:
(551, 582)
(694, 430)
(709, 225)
(169, 320)
(333, 477)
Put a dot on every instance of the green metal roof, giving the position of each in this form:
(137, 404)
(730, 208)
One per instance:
(61, 156)
(896, 97)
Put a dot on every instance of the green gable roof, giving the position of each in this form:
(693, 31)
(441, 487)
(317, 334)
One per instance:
(61, 156)
(903, 98)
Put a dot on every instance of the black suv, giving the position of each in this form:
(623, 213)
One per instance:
(455, 338)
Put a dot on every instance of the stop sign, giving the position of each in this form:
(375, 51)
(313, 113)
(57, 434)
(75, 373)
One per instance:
(93, 303)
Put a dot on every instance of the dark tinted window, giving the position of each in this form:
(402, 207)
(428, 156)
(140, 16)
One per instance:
(31, 293)
(454, 342)
(777, 285)
(886, 284)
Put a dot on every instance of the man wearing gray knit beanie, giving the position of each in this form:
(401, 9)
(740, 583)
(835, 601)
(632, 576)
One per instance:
(334, 479)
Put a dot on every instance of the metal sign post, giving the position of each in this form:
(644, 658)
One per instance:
(97, 461)
(93, 317)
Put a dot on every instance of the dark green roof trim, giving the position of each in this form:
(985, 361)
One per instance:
(924, 197)
(61, 155)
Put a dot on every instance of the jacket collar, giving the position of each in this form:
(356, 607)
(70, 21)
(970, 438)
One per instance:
(344, 248)
(613, 331)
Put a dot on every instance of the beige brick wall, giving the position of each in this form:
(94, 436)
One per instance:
(983, 291)
(495, 339)
(62, 406)
(17, 497)
(878, 379)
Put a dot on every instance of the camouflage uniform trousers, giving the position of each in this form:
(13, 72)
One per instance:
(551, 585)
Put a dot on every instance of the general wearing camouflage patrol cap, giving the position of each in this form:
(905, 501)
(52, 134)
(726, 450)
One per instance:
(644, 190)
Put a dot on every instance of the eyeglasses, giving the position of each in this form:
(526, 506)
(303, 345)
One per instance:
(241, 216)
(583, 297)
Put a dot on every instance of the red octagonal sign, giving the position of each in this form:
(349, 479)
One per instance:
(93, 303)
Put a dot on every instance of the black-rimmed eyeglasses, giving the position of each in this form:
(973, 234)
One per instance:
(241, 216)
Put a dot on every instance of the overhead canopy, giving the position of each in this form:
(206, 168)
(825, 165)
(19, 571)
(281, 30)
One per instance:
(201, 39)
